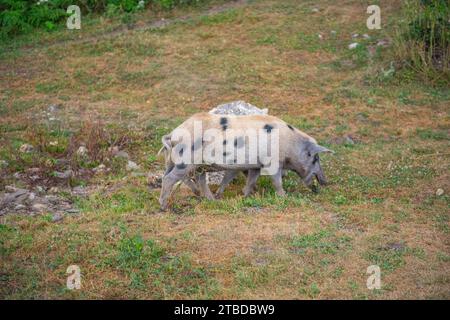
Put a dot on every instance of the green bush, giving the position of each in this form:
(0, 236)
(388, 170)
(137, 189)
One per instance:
(21, 16)
(423, 38)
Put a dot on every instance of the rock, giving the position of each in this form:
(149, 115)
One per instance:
(10, 189)
(154, 180)
(396, 246)
(40, 207)
(355, 35)
(79, 191)
(320, 36)
(214, 177)
(333, 32)
(72, 211)
(17, 197)
(131, 166)
(345, 139)
(53, 143)
(439, 192)
(20, 207)
(122, 154)
(100, 168)
(137, 174)
(17, 175)
(53, 108)
(383, 43)
(82, 151)
(26, 148)
(63, 175)
(57, 217)
(353, 45)
(366, 36)
(114, 150)
(53, 190)
(315, 10)
(237, 108)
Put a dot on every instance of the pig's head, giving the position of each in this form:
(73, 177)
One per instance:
(306, 163)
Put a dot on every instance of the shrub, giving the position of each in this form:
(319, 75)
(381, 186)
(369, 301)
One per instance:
(21, 16)
(422, 40)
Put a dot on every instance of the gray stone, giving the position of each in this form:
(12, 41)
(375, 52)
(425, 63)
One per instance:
(131, 166)
(238, 108)
(26, 148)
(122, 154)
(57, 217)
(100, 168)
(40, 207)
(63, 175)
(82, 151)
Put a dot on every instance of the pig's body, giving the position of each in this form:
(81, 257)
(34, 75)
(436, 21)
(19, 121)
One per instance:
(295, 150)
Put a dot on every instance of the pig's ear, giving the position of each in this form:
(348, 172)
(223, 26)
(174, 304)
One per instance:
(319, 149)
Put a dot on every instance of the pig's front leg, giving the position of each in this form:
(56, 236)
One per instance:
(177, 174)
(252, 177)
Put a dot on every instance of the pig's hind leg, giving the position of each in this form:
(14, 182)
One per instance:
(227, 178)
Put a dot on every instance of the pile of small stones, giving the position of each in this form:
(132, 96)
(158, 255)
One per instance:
(32, 202)
(239, 108)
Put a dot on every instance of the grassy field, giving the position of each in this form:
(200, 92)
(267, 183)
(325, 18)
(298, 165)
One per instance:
(128, 87)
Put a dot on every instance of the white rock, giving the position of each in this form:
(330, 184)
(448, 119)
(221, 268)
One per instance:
(122, 154)
(353, 45)
(355, 35)
(26, 148)
(366, 36)
(53, 190)
(63, 175)
(315, 10)
(439, 192)
(53, 143)
(100, 168)
(131, 166)
(82, 151)
(39, 207)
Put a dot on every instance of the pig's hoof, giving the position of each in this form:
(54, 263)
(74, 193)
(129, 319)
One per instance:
(314, 188)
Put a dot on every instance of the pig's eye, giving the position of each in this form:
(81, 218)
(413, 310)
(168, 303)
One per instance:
(309, 154)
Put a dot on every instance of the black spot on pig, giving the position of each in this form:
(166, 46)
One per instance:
(224, 123)
(290, 127)
(268, 128)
